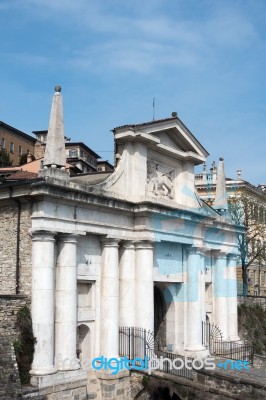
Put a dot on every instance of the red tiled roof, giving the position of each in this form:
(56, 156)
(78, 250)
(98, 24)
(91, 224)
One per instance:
(19, 175)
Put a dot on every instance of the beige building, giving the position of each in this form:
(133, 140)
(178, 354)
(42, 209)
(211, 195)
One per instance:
(80, 158)
(77, 153)
(104, 166)
(251, 214)
(15, 142)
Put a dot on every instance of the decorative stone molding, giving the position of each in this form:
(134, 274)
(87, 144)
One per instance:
(144, 244)
(128, 244)
(43, 236)
(109, 242)
(195, 250)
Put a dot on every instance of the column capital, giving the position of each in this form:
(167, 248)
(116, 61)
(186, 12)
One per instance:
(128, 244)
(206, 251)
(232, 256)
(195, 250)
(144, 244)
(109, 242)
(219, 254)
(67, 237)
(44, 236)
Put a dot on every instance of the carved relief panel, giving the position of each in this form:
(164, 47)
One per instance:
(160, 180)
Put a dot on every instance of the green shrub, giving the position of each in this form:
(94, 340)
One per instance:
(24, 345)
(145, 380)
(252, 326)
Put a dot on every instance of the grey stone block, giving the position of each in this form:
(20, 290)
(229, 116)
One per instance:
(91, 396)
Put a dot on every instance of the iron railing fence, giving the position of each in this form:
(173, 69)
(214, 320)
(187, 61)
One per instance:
(233, 350)
(136, 343)
(212, 339)
(179, 365)
(139, 343)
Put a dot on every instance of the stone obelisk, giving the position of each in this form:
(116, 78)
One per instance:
(55, 156)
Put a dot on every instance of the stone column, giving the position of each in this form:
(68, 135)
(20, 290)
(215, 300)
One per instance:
(144, 299)
(42, 302)
(109, 299)
(66, 304)
(127, 284)
(232, 297)
(203, 289)
(194, 304)
(220, 293)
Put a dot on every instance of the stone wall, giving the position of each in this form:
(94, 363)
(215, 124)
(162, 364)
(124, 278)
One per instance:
(8, 251)
(9, 378)
(68, 391)
(253, 300)
(115, 387)
(206, 385)
(259, 362)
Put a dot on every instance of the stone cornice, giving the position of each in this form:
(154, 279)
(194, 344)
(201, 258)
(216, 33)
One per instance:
(69, 192)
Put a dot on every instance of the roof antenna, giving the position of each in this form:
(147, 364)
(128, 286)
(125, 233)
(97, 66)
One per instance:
(153, 107)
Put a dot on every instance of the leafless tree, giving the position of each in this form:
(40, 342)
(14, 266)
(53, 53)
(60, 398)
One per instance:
(252, 244)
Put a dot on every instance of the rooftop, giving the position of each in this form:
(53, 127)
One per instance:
(17, 132)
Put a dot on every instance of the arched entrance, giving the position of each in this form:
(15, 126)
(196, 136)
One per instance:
(164, 317)
(159, 318)
(83, 344)
(164, 394)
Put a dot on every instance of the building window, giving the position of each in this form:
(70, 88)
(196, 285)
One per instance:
(73, 153)
(3, 143)
(19, 150)
(28, 152)
(11, 147)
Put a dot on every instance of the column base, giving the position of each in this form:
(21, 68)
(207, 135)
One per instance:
(197, 351)
(43, 371)
(60, 377)
(234, 339)
(69, 368)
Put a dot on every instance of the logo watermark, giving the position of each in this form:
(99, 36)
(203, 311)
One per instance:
(155, 363)
(234, 365)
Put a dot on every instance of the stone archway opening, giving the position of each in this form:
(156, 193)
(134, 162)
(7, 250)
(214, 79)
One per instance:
(159, 318)
(164, 317)
(84, 344)
(164, 394)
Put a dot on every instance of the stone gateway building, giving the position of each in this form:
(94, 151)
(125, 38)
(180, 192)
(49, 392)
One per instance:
(131, 248)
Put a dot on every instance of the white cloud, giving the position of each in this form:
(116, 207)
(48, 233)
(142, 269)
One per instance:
(130, 38)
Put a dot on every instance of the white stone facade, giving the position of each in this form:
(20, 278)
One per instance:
(102, 253)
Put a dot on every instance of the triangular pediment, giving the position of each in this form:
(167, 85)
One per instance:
(168, 135)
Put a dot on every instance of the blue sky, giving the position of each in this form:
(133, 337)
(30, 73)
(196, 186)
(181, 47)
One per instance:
(204, 59)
